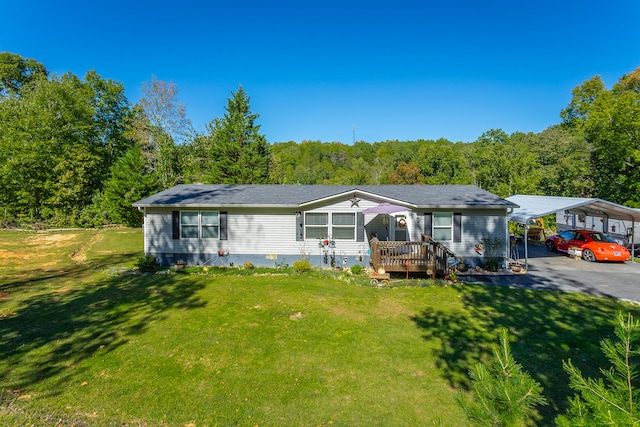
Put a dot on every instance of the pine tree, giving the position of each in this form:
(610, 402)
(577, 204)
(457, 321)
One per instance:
(239, 154)
(612, 400)
(128, 183)
(504, 395)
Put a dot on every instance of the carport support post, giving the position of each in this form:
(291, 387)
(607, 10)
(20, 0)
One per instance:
(526, 246)
(633, 241)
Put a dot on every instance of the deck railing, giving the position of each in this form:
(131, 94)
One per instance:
(427, 256)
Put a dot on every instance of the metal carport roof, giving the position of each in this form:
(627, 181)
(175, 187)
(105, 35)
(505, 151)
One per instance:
(532, 207)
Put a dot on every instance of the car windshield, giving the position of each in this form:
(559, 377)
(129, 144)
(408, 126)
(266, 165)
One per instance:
(599, 237)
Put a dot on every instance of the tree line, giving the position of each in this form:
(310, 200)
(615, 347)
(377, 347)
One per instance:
(76, 152)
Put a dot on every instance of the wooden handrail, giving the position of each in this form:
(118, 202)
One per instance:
(427, 256)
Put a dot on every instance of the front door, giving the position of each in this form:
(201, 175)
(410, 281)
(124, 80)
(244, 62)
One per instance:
(400, 228)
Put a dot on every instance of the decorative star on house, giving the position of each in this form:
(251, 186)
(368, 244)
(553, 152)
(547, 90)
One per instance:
(354, 201)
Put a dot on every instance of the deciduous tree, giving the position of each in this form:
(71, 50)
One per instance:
(17, 72)
(160, 123)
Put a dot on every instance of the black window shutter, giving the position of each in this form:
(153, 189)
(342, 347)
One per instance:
(360, 227)
(175, 221)
(299, 226)
(457, 227)
(223, 226)
(428, 220)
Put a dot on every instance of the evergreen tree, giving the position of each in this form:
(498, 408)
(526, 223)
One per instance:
(236, 151)
(504, 395)
(614, 400)
(128, 183)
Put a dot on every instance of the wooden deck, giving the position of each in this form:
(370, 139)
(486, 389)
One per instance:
(427, 256)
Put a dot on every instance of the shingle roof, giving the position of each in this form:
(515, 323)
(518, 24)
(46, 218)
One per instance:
(418, 196)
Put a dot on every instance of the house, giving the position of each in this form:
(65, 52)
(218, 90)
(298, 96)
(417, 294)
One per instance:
(328, 224)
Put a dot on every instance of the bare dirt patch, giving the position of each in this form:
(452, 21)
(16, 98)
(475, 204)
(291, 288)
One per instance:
(80, 256)
(47, 238)
(6, 254)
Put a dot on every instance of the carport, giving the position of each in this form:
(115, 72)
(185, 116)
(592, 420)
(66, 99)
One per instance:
(532, 207)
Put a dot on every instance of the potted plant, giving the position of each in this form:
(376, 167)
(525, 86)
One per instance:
(452, 277)
(462, 266)
(180, 265)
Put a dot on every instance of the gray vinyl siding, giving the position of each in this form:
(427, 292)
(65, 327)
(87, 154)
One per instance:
(476, 224)
(262, 232)
(248, 232)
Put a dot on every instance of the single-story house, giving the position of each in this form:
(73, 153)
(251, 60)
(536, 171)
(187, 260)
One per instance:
(328, 224)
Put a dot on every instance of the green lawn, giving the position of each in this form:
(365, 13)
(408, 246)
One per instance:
(85, 341)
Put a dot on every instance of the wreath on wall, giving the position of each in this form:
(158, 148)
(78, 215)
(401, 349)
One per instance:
(402, 223)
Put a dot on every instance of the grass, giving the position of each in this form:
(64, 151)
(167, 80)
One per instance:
(85, 342)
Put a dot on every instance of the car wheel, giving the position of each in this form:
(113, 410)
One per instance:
(588, 255)
(550, 246)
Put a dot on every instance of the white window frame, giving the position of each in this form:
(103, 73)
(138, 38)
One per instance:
(200, 225)
(329, 226)
(324, 226)
(441, 227)
(335, 227)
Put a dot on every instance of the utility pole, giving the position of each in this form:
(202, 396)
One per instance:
(354, 133)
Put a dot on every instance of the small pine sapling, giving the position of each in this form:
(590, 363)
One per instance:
(611, 400)
(503, 394)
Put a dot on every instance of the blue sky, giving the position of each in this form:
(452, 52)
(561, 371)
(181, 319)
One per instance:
(400, 69)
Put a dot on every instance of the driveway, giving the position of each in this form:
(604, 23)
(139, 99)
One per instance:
(551, 270)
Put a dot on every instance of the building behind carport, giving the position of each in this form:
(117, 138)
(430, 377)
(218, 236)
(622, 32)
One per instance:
(533, 207)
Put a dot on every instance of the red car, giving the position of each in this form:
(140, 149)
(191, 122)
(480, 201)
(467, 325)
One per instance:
(596, 246)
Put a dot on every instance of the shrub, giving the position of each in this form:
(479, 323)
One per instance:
(248, 265)
(147, 264)
(302, 266)
(357, 269)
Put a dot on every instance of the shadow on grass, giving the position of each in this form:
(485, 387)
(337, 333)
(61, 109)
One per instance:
(547, 327)
(75, 271)
(50, 334)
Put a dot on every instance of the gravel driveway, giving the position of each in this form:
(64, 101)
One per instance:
(550, 270)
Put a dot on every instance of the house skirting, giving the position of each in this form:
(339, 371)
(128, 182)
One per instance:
(260, 260)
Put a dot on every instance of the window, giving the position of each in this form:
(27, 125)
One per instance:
(189, 225)
(316, 225)
(568, 235)
(210, 225)
(199, 224)
(342, 225)
(442, 226)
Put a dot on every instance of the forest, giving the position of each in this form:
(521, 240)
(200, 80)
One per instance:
(75, 152)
